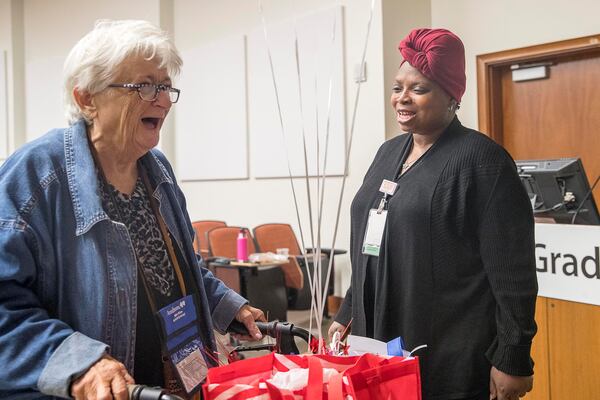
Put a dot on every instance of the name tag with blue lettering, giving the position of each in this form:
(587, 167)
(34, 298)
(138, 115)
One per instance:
(178, 314)
(183, 343)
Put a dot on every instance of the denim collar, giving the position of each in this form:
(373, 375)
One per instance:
(83, 180)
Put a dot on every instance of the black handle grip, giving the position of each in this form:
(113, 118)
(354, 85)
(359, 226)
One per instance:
(239, 328)
(284, 332)
(141, 392)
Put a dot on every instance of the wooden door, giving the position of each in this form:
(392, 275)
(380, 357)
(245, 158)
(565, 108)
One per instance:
(552, 118)
(555, 117)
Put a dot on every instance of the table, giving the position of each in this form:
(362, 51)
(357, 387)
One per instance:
(263, 284)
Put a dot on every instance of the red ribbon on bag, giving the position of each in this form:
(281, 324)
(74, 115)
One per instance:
(368, 377)
(396, 378)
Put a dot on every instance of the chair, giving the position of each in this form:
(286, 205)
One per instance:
(263, 286)
(270, 237)
(222, 241)
(200, 241)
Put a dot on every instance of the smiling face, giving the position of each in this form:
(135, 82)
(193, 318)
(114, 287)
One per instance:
(125, 121)
(421, 105)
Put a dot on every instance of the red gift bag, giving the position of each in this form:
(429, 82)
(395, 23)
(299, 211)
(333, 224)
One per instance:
(319, 377)
(395, 378)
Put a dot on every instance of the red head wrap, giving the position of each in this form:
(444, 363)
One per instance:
(439, 55)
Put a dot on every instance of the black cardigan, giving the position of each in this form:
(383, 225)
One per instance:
(457, 266)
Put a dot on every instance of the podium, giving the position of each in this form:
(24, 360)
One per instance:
(566, 349)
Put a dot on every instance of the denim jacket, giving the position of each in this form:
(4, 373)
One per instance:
(68, 273)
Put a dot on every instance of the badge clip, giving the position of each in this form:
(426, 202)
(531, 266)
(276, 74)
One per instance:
(388, 187)
(381, 205)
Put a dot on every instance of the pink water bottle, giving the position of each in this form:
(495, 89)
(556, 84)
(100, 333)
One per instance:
(242, 246)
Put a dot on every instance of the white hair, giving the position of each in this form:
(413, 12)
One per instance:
(94, 60)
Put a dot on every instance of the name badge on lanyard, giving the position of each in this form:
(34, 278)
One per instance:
(183, 344)
(376, 222)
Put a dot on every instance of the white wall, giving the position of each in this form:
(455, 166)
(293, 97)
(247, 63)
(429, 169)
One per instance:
(5, 51)
(487, 26)
(11, 41)
(5, 25)
(256, 201)
(399, 18)
(51, 29)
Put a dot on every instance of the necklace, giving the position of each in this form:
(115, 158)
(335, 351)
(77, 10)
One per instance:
(406, 165)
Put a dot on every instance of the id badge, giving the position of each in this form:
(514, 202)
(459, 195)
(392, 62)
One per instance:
(374, 233)
(183, 342)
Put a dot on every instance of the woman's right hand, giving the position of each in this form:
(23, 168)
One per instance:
(335, 327)
(107, 379)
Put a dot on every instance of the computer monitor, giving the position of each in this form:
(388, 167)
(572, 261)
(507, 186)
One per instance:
(559, 189)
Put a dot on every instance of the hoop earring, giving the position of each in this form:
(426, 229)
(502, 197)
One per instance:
(453, 107)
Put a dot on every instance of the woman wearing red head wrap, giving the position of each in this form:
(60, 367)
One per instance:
(454, 267)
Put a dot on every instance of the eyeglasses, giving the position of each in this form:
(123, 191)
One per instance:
(149, 91)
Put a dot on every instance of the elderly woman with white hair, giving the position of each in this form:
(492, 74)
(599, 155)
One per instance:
(99, 282)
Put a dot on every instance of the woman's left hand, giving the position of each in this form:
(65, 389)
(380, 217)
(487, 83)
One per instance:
(247, 315)
(508, 387)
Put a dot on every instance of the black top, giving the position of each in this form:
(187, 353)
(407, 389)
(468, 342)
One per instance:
(457, 266)
(136, 213)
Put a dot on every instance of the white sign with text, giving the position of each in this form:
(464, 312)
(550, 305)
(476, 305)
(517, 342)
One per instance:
(568, 262)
